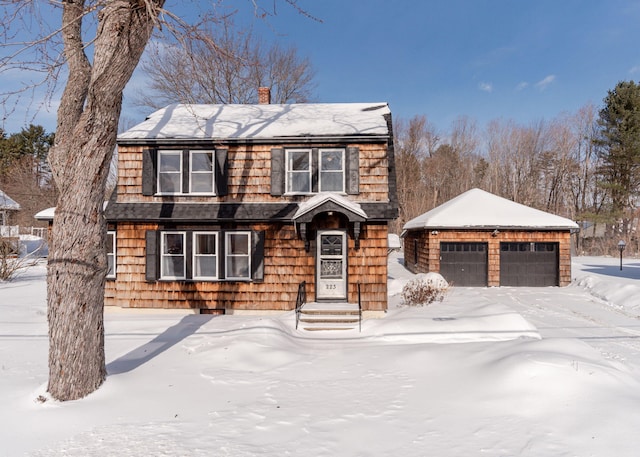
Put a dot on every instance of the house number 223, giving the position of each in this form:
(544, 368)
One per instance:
(330, 286)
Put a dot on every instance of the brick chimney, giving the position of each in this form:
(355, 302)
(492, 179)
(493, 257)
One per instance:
(264, 95)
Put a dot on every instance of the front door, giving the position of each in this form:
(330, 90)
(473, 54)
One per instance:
(331, 268)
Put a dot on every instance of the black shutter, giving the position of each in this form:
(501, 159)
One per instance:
(188, 255)
(222, 256)
(185, 171)
(152, 257)
(257, 256)
(315, 165)
(352, 165)
(277, 171)
(222, 171)
(149, 175)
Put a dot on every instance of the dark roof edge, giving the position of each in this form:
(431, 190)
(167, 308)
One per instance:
(274, 140)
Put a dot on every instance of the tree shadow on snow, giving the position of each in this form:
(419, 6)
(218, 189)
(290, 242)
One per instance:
(629, 270)
(187, 326)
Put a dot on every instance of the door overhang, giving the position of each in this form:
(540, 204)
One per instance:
(329, 203)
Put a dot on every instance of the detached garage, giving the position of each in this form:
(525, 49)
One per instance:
(480, 239)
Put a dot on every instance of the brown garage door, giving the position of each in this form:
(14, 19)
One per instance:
(464, 264)
(529, 264)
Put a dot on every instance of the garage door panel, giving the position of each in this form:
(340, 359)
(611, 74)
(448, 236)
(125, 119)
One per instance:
(464, 264)
(529, 264)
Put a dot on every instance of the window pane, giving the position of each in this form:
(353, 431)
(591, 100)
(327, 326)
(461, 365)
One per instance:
(238, 267)
(173, 243)
(170, 182)
(111, 271)
(206, 266)
(299, 160)
(206, 243)
(170, 161)
(238, 244)
(299, 182)
(202, 182)
(331, 160)
(110, 243)
(331, 182)
(201, 161)
(173, 266)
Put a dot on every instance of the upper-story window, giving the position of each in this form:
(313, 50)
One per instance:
(331, 170)
(298, 170)
(169, 172)
(201, 174)
(315, 170)
(184, 172)
(310, 170)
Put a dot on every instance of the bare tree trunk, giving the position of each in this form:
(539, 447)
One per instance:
(85, 140)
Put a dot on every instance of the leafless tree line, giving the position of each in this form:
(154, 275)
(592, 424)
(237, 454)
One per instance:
(548, 165)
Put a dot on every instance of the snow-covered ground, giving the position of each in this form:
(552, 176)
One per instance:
(486, 372)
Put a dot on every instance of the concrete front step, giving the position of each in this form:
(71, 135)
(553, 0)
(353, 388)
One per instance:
(329, 316)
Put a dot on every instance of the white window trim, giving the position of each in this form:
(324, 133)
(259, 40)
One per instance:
(288, 171)
(113, 254)
(195, 255)
(180, 172)
(183, 255)
(342, 170)
(227, 255)
(212, 172)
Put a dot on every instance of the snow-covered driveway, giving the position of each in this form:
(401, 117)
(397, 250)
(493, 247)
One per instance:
(601, 307)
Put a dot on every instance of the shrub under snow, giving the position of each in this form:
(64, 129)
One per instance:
(424, 289)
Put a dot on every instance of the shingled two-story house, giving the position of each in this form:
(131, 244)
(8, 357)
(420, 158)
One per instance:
(228, 208)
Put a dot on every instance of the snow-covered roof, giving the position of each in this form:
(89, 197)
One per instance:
(45, 214)
(476, 208)
(261, 121)
(324, 197)
(48, 213)
(7, 202)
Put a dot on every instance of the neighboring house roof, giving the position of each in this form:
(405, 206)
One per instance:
(45, 214)
(476, 208)
(49, 213)
(264, 121)
(8, 203)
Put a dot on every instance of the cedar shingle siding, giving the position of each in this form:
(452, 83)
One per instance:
(250, 198)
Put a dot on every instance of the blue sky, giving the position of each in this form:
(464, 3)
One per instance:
(486, 59)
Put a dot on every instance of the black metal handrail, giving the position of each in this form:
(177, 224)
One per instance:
(301, 299)
(359, 309)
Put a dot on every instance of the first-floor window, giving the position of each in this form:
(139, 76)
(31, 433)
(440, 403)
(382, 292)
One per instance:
(111, 254)
(205, 255)
(172, 264)
(238, 257)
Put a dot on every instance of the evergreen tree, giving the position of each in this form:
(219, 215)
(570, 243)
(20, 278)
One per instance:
(619, 149)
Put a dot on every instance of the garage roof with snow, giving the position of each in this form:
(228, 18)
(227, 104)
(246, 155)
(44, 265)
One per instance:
(262, 121)
(478, 209)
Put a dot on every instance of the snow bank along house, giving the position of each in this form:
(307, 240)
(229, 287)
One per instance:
(229, 208)
(480, 239)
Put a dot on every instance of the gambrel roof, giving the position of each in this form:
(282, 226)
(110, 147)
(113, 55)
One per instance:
(260, 122)
(477, 209)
